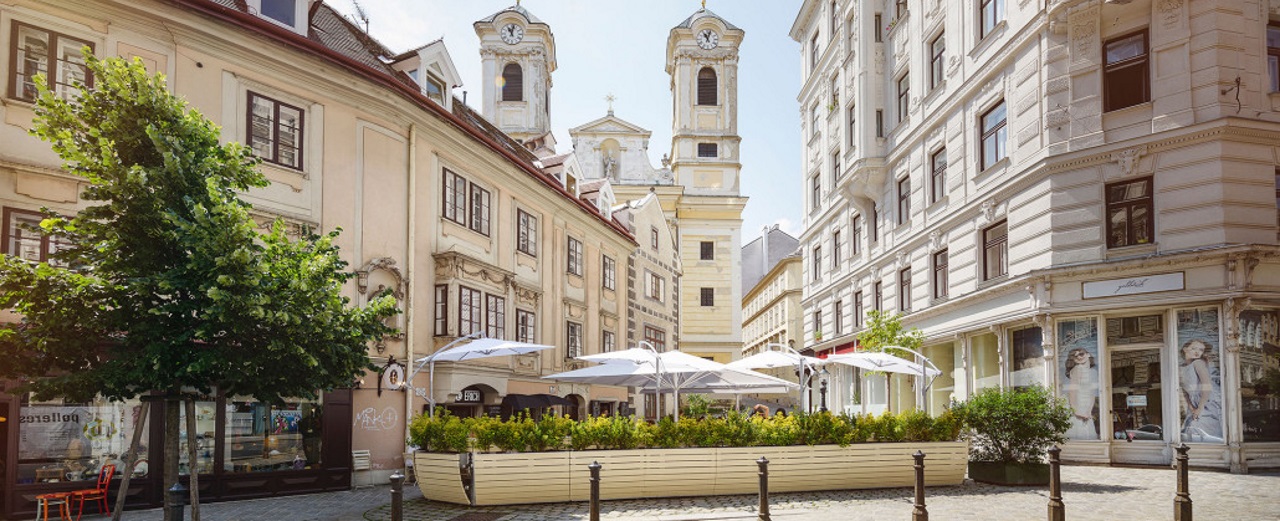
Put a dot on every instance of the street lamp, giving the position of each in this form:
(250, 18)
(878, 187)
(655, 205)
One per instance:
(822, 378)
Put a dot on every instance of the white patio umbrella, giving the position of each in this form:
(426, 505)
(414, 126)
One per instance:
(886, 362)
(783, 357)
(475, 346)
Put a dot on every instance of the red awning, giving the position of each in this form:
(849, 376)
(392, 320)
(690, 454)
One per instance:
(838, 350)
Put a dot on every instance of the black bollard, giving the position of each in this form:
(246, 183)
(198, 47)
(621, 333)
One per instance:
(764, 489)
(1057, 511)
(919, 513)
(1182, 502)
(397, 496)
(177, 500)
(595, 490)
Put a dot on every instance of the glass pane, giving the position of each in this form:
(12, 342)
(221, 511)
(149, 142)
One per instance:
(942, 391)
(290, 136)
(1140, 224)
(1147, 329)
(1260, 374)
(1273, 36)
(260, 131)
(1119, 219)
(1199, 377)
(1078, 374)
(1028, 358)
(877, 395)
(1126, 48)
(71, 442)
(993, 118)
(24, 242)
(71, 66)
(263, 438)
(206, 420)
(1273, 67)
(282, 11)
(32, 59)
(1136, 401)
(986, 361)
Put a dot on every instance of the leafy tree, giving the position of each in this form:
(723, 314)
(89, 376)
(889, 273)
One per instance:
(1014, 425)
(884, 331)
(174, 288)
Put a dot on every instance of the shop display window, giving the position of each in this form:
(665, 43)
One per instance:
(986, 361)
(62, 441)
(262, 437)
(944, 386)
(1027, 348)
(1260, 374)
(1200, 376)
(206, 427)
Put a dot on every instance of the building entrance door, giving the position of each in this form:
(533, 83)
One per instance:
(1139, 428)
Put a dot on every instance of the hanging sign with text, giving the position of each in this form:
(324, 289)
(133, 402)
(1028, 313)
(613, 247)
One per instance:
(1135, 285)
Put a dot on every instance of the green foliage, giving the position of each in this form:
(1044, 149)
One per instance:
(884, 330)
(1014, 425)
(697, 406)
(175, 287)
(445, 433)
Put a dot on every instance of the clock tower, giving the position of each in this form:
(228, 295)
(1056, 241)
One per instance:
(518, 54)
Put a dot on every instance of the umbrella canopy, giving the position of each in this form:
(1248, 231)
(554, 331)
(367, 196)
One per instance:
(483, 348)
(876, 361)
(774, 360)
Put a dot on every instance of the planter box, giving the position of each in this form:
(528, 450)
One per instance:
(552, 477)
(1009, 473)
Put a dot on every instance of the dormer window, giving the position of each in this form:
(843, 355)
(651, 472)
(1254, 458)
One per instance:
(289, 13)
(435, 89)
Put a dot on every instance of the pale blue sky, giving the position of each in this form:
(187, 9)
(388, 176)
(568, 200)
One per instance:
(619, 47)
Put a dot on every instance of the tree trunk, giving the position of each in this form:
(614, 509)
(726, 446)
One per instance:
(192, 471)
(130, 459)
(171, 419)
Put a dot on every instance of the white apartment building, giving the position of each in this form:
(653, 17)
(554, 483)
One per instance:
(1074, 193)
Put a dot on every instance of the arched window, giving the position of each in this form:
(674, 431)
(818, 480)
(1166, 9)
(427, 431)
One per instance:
(707, 86)
(512, 83)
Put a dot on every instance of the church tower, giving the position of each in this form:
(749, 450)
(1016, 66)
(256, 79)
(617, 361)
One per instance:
(518, 54)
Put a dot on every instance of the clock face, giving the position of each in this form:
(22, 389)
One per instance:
(511, 33)
(708, 39)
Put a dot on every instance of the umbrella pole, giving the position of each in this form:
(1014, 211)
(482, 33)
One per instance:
(431, 391)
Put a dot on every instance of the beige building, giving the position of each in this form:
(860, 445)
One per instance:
(771, 308)
(436, 204)
(1076, 193)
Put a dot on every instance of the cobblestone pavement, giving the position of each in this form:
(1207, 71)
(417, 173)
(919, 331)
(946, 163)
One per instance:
(1090, 493)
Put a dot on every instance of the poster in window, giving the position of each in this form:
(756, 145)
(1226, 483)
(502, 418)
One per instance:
(1199, 376)
(1028, 357)
(1078, 370)
(1260, 374)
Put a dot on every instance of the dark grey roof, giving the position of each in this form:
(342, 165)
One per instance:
(517, 9)
(754, 265)
(688, 22)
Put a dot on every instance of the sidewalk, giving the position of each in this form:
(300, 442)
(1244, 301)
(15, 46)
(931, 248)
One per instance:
(1090, 493)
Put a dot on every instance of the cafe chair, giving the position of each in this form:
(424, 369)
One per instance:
(62, 500)
(98, 493)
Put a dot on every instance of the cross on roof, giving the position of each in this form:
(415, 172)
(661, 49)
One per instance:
(610, 98)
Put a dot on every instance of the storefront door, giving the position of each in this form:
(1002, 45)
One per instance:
(1138, 420)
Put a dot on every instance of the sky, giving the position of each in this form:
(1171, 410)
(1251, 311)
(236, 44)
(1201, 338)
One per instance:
(619, 47)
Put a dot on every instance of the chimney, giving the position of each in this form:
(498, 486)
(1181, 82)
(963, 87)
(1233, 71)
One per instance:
(764, 250)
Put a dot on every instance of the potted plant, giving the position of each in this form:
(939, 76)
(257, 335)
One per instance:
(1011, 431)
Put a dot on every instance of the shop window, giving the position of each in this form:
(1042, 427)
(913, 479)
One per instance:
(34, 49)
(1078, 375)
(206, 408)
(1200, 376)
(1260, 374)
(64, 441)
(986, 361)
(1146, 329)
(1126, 77)
(944, 386)
(1129, 210)
(261, 437)
(1026, 345)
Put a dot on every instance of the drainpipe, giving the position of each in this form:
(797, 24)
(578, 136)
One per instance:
(411, 263)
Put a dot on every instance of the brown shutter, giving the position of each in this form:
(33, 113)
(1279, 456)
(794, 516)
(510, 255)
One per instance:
(707, 86)
(513, 83)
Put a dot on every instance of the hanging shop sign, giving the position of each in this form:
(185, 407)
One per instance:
(1135, 285)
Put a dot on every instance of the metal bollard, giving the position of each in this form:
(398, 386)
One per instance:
(397, 496)
(764, 489)
(1057, 511)
(177, 500)
(919, 513)
(595, 490)
(1182, 502)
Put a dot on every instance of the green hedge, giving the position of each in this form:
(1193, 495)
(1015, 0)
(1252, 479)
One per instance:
(447, 433)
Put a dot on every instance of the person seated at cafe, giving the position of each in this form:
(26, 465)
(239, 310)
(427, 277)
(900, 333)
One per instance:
(760, 410)
(782, 413)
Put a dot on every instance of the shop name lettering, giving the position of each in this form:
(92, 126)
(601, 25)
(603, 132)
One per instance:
(1132, 284)
(50, 418)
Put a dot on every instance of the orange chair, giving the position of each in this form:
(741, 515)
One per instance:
(60, 499)
(98, 493)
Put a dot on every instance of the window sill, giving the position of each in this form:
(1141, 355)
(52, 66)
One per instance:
(1131, 108)
(998, 166)
(986, 40)
(1137, 250)
(992, 281)
(939, 204)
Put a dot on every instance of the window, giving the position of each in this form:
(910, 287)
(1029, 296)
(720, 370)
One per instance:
(817, 263)
(817, 192)
(995, 251)
(653, 286)
(857, 310)
(878, 30)
(512, 82)
(469, 311)
(904, 96)
(904, 290)
(526, 233)
(707, 250)
(938, 175)
(657, 337)
(817, 325)
(993, 136)
(877, 295)
(1125, 76)
(496, 317)
(435, 88)
(940, 284)
(991, 14)
(608, 342)
(814, 52)
(23, 239)
(575, 257)
(834, 20)
(850, 33)
(479, 221)
(283, 11)
(707, 297)
(856, 232)
(835, 251)
(707, 86)
(835, 169)
(879, 122)
(1129, 210)
(442, 310)
(526, 326)
(835, 91)
(707, 150)
(813, 121)
(1273, 55)
(573, 339)
(899, 8)
(875, 222)
(610, 273)
(853, 125)
(455, 198)
(904, 200)
(838, 315)
(653, 237)
(275, 131)
(937, 53)
(34, 49)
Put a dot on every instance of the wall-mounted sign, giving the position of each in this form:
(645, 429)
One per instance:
(1136, 400)
(469, 396)
(1135, 285)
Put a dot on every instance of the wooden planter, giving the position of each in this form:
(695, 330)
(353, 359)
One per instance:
(552, 477)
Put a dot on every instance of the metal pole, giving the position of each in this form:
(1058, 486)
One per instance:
(177, 499)
(595, 490)
(1057, 510)
(822, 389)
(1182, 502)
(919, 513)
(764, 489)
(397, 496)
(431, 390)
